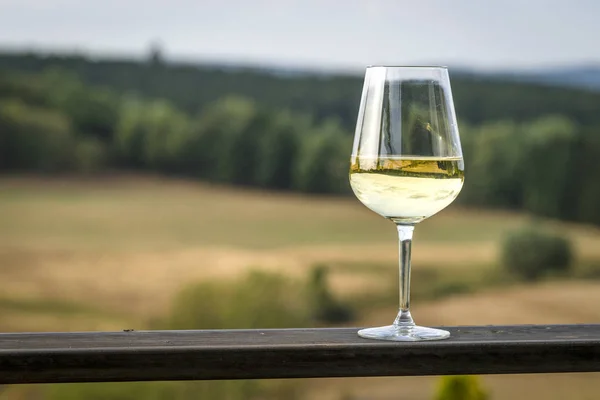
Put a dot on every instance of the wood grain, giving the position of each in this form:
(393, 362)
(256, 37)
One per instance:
(291, 353)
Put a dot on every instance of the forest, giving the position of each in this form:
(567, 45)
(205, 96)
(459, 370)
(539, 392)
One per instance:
(526, 146)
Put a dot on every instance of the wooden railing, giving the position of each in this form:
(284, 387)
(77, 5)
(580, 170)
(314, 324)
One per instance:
(291, 353)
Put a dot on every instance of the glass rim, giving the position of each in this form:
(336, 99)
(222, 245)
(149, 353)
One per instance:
(408, 66)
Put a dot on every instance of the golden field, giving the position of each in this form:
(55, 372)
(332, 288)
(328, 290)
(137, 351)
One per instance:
(110, 253)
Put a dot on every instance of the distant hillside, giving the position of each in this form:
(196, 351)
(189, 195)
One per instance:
(478, 98)
(585, 77)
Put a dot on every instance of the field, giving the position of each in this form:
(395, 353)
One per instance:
(110, 253)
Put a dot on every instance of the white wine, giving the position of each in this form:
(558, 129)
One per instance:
(406, 189)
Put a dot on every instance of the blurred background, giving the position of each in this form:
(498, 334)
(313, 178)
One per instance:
(183, 164)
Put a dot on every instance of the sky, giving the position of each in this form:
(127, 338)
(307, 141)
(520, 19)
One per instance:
(318, 34)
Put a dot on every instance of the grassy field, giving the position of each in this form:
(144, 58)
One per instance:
(110, 253)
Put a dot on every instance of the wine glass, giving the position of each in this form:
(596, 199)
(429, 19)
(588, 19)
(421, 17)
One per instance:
(406, 165)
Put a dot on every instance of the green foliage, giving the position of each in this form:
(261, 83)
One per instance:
(232, 140)
(461, 387)
(24, 88)
(546, 167)
(533, 252)
(258, 300)
(234, 125)
(324, 161)
(585, 197)
(150, 135)
(34, 139)
(322, 304)
(94, 112)
(192, 87)
(550, 146)
(541, 157)
(494, 158)
(278, 151)
(130, 135)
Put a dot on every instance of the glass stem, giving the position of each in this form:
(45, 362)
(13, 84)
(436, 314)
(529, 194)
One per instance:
(405, 234)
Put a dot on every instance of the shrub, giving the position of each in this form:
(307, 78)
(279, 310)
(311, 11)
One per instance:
(323, 305)
(462, 387)
(260, 300)
(532, 252)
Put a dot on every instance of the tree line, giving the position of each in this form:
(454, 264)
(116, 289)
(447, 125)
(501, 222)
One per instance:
(190, 87)
(547, 166)
(54, 122)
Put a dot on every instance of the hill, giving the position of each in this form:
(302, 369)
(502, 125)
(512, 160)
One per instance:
(583, 77)
(191, 86)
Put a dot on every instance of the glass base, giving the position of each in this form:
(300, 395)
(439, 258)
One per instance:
(397, 333)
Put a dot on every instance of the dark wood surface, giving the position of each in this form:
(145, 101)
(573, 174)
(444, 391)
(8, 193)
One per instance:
(291, 353)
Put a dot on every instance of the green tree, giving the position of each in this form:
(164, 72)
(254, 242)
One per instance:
(151, 135)
(586, 197)
(226, 134)
(34, 139)
(494, 162)
(278, 150)
(166, 132)
(324, 160)
(130, 135)
(93, 111)
(26, 88)
(548, 173)
(191, 87)
(200, 150)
